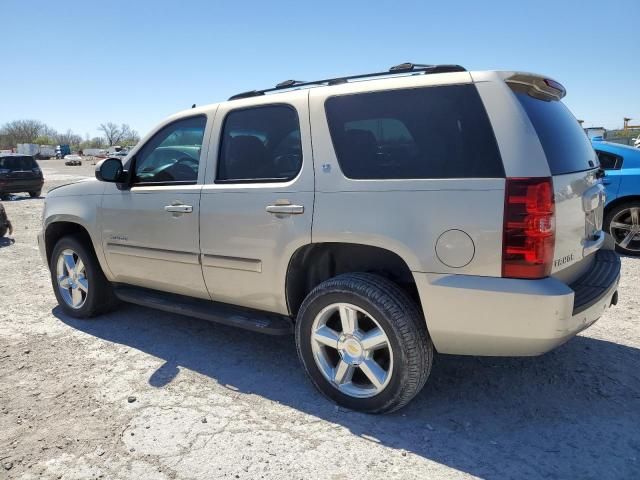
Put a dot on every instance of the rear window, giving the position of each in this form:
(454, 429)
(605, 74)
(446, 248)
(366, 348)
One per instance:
(564, 142)
(17, 163)
(432, 132)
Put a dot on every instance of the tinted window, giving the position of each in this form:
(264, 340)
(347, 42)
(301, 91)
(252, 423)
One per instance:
(564, 142)
(17, 163)
(260, 144)
(173, 154)
(434, 132)
(609, 161)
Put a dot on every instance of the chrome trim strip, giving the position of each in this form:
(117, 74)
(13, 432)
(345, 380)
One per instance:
(153, 253)
(232, 263)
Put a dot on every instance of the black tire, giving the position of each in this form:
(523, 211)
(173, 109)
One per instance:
(35, 194)
(3, 231)
(100, 297)
(402, 322)
(608, 218)
(5, 196)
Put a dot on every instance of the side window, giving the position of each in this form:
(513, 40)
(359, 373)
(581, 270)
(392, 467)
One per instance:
(260, 144)
(173, 154)
(431, 132)
(609, 161)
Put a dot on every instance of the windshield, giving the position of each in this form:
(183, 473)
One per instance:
(564, 142)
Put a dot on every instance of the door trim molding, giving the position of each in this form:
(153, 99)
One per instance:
(153, 253)
(231, 263)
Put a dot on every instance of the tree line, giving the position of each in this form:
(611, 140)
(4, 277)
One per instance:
(34, 131)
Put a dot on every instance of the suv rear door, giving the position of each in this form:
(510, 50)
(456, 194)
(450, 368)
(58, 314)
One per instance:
(257, 201)
(573, 164)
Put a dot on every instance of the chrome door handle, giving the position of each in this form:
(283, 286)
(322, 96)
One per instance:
(178, 208)
(285, 209)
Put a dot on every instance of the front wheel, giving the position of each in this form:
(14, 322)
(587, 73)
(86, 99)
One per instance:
(623, 224)
(364, 343)
(35, 194)
(78, 282)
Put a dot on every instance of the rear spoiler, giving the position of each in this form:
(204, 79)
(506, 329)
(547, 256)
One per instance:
(537, 86)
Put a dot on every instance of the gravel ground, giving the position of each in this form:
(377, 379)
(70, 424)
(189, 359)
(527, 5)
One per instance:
(148, 395)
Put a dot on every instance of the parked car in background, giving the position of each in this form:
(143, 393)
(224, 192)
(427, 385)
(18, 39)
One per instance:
(73, 160)
(622, 182)
(121, 154)
(19, 173)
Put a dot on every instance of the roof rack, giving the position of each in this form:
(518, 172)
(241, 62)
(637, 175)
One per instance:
(403, 68)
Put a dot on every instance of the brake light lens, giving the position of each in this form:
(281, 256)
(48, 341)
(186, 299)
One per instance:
(556, 86)
(529, 228)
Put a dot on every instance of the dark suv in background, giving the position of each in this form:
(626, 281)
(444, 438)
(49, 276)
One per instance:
(19, 173)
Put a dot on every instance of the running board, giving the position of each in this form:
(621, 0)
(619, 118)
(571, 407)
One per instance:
(248, 319)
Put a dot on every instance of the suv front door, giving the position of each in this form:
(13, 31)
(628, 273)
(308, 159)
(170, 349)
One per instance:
(257, 201)
(150, 231)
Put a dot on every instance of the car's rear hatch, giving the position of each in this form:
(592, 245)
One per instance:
(17, 170)
(573, 164)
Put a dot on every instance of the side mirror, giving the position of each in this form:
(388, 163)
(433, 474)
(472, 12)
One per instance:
(110, 170)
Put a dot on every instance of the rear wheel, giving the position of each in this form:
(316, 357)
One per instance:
(364, 343)
(78, 282)
(623, 224)
(35, 194)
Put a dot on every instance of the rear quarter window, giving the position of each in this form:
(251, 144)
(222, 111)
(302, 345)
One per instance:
(609, 161)
(565, 144)
(431, 132)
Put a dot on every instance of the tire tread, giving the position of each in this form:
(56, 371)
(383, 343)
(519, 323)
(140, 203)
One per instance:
(406, 319)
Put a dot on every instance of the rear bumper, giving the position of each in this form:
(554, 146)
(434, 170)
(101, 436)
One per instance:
(470, 315)
(17, 186)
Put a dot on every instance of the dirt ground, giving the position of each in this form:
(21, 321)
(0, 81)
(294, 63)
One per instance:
(148, 395)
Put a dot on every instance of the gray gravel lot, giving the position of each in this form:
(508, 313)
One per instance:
(148, 395)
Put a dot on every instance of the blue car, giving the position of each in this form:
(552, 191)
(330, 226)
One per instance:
(622, 182)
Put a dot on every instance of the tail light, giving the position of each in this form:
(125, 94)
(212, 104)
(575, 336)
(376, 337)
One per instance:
(529, 228)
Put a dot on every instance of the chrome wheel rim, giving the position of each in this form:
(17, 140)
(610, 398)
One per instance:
(72, 280)
(625, 229)
(351, 350)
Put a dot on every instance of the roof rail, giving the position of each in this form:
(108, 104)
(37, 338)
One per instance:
(403, 68)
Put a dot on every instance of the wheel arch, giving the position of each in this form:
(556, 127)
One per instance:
(55, 230)
(620, 201)
(314, 263)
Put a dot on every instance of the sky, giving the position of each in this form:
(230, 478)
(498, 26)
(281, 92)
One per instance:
(74, 64)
